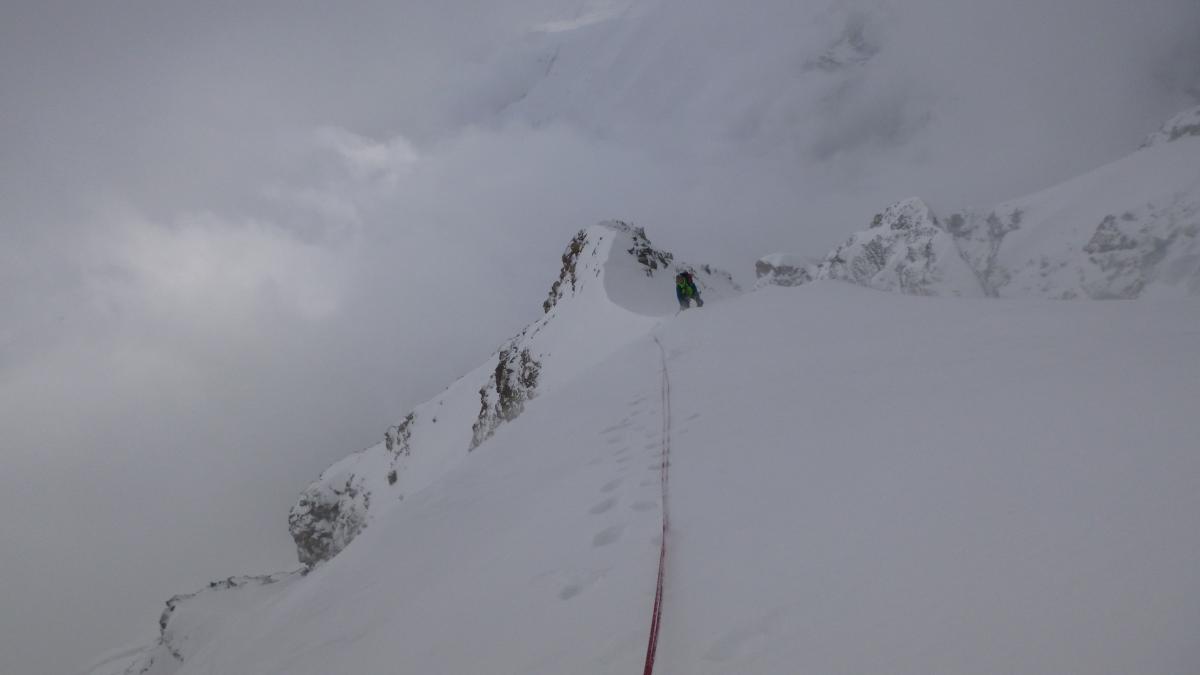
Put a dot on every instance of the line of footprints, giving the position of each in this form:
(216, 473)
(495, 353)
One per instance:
(622, 436)
(636, 438)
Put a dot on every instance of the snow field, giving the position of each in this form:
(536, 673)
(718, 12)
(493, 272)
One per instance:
(861, 482)
(870, 483)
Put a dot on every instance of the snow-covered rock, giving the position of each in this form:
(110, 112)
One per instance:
(612, 287)
(904, 250)
(1184, 124)
(783, 269)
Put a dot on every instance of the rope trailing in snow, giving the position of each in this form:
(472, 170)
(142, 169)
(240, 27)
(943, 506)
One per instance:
(656, 617)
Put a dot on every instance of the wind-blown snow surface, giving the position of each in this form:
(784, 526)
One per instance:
(861, 482)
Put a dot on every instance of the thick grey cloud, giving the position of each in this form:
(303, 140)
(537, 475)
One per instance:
(237, 240)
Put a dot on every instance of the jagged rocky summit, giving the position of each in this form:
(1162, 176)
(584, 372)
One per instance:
(1129, 229)
(612, 286)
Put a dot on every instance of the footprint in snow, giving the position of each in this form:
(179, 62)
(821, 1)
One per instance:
(616, 427)
(577, 582)
(603, 506)
(607, 536)
(611, 485)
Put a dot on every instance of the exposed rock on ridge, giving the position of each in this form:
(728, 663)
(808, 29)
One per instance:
(503, 398)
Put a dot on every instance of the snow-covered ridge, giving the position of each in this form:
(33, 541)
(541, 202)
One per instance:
(613, 287)
(1128, 229)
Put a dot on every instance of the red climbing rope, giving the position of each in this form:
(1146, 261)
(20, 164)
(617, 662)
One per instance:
(656, 617)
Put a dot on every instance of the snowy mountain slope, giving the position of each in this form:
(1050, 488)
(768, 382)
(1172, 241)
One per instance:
(861, 482)
(1127, 229)
(612, 287)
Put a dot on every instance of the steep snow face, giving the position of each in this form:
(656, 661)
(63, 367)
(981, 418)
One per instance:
(925, 485)
(613, 287)
(904, 250)
(1126, 230)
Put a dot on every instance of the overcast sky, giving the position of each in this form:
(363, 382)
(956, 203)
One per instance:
(238, 240)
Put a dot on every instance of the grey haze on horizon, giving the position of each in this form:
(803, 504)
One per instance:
(240, 239)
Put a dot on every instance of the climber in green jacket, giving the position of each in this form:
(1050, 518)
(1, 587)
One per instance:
(686, 291)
